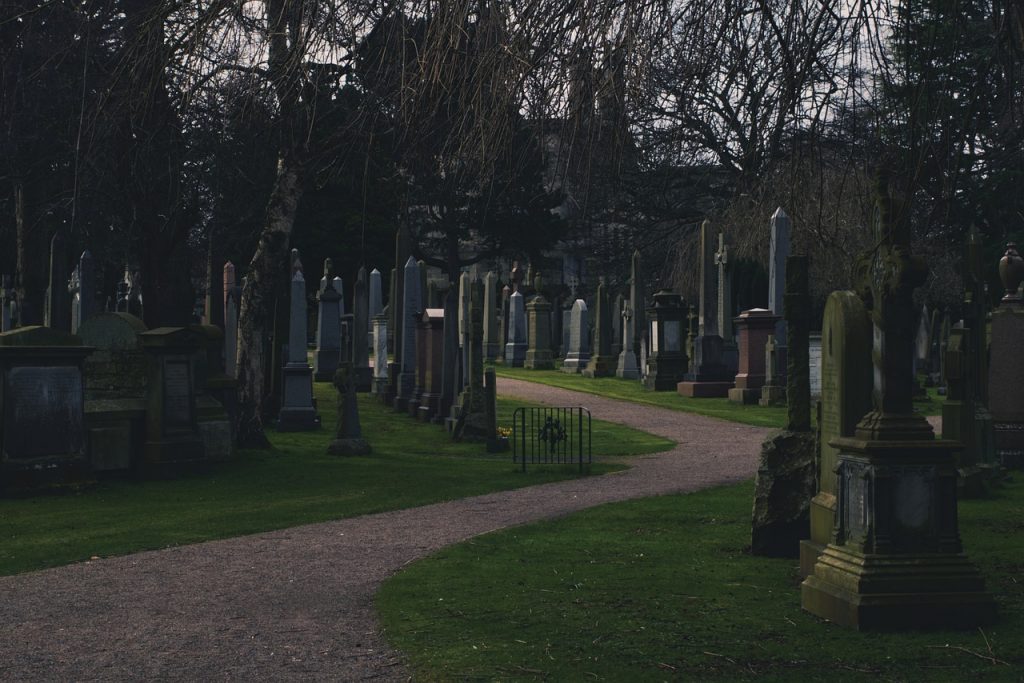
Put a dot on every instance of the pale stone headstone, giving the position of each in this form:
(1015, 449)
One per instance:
(1006, 365)
(380, 354)
(231, 331)
(616, 315)
(579, 343)
(58, 314)
(361, 376)
(515, 349)
(463, 330)
(815, 362)
(328, 328)
(923, 343)
(376, 304)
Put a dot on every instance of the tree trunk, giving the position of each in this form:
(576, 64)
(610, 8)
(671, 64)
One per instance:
(268, 274)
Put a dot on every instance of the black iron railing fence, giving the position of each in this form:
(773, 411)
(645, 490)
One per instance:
(551, 436)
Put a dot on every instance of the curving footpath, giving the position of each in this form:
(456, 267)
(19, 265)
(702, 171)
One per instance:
(297, 604)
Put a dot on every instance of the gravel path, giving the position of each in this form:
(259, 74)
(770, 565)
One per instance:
(297, 604)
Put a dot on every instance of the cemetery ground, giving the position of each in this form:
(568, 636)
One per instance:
(295, 483)
(665, 588)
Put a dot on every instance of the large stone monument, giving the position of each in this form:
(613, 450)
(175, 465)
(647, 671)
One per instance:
(708, 376)
(515, 349)
(602, 362)
(579, 345)
(297, 412)
(42, 409)
(755, 326)
(666, 361)
(895, 559)
(1006, 368)
(627, 368)
(473, 423)
(432, 368)
(538, 353)
(723, 264)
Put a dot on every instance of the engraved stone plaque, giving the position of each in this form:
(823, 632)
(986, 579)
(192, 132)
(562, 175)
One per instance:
(177, 394)
(913, 500)
(673, 335)
(43, 412)
(654, 336)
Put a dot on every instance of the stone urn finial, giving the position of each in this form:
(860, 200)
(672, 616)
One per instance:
(1011, 272)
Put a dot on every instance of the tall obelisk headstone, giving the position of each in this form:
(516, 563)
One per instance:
(297, 411)
(362, 378)
(778, 252)
(708, 376)
(723, 265)
(637, 302)
(328, 328)
(410, 314)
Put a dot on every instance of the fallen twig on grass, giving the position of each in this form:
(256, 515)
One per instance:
(994, 660)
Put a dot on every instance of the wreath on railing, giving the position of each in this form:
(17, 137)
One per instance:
(552, 432)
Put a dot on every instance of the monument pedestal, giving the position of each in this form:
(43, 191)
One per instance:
(711, 378)
(895, 559)
(297, 411)
(600, 366)
(539, 359)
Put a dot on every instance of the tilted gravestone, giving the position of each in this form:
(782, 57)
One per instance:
(579, 345)
(42, 409)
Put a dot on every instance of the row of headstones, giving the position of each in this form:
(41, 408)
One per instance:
(114, 397)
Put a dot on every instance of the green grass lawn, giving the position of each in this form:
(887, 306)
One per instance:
(295, 483)
(630, 390)
(663, 588)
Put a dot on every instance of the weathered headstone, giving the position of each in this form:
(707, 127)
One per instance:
(896, 516)
(411, 313)
(473, 424)
(579, 345)
(492, 343)
(786, 475)
(362, 376)
(328, 327)
(380, 354)
(773, 393)
(348, 436)
(616, 315)
(538, 353)
(1006, 364)
(173, 443)
(602, 362)
(506, 295)
(42, 409)
(515, 349)
(755, 325)
(463, 331)
(815, 360)
(297, 411)
(666, 360)
(922, 342)
(627, 367)
(450, 356)
(432, 328)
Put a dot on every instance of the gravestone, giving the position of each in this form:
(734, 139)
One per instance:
(473, 423)
(116, 386)
(515, 349)
(133, 299)
(922, 343)
(730, 351)
(213, 307)
(231, 304)
(403, 252)
(83, 294)
(579, 344)
(976, 310)
(392, 308)
(229, 284)
(778, 253)
(42, 410)
(666, 360)
(708, 375)
(328, 327)
(845, 399)
(449, 355)
(362, 375)
(896, 515)
(637, 302)
(348, 437)
(538, 353)
(616, 337)
(772, 393)
(376, 302)
(58, 310)
(411, 312)
(463, 332)
(786, 475)
(380, 354)
(602, 362)
(432, 328)
(755, 326)
(947, 325)
(958, 414)
(814, 355)
(297, 412)
(1006, 364)
(492, 342)
(627, 367)
(934, 365)
(173, 443)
